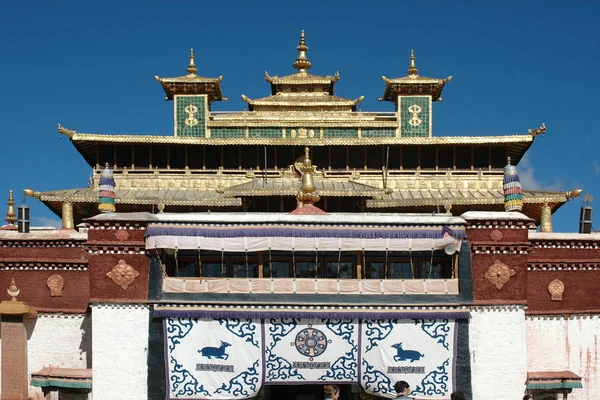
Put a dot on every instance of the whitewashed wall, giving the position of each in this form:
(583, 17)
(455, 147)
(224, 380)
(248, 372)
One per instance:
(120, 355)
(566, 343)
(58, 340)
(497, 344)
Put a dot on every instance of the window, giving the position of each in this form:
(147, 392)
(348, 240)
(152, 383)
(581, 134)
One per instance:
(307, 268)
(277, 269)
(344, 269)
(213, 268)
(242, 268)
(419, 266)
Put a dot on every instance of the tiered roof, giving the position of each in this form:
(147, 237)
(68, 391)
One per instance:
(302, 89)
(192, 84)
(413, 84)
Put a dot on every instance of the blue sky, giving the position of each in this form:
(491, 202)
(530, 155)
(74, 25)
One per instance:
(90, 65)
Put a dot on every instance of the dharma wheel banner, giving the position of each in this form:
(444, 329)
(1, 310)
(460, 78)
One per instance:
(231, 358)
(419, 351)
(311, 351)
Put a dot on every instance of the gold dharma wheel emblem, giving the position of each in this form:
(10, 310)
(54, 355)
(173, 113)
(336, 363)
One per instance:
(415, 110)
(191, 110)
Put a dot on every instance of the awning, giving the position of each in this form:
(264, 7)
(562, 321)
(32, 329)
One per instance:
(74, 378)
(553, 380)
(251, 238)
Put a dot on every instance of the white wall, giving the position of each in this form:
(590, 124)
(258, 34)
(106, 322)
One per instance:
(58, 340)
(120, 355)
(566, 343)
(497, 345)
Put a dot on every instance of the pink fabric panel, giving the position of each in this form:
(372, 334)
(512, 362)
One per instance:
(261, 286)
(371, 286)
(327, 286)
(239, 286)
(173, 285)
(393, 287)
(283, 286)
(414, 287)
(305, 286)
(195, 286)
(350, 287)
(217, 286)
(452, 285)
(435, 286)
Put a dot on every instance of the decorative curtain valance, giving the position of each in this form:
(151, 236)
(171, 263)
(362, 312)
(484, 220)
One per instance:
(252, 244)
(312, 231)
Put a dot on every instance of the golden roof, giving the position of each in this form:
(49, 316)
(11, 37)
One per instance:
(302, 100)
(413, 84)
(192, 84)
(290, 187)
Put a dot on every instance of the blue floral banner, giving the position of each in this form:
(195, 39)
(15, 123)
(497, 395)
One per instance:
(229, 358)
(213, 358)
(418, 351)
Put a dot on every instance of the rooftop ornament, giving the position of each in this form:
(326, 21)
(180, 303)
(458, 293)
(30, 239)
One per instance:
(513, 194)
(307, 195)
(106, 194)
(302, 64)
(11, 216)
(538, 131)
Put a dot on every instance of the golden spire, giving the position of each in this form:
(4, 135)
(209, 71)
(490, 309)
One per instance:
(412, 69)
(307, 193)
(302, 63)
(11, 216)
(192, 66)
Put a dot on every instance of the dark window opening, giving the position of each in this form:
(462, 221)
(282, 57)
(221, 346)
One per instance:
(213, 157)
(428, 157)
(481, 157)
(375, 158)
(356, 157)
(106, 155)
(177, 157)
(159, 156)
(141, 156)
(445, 157)
(194, 158)
(463, 157)
(124, 156)
(410, 157)
(230, 157)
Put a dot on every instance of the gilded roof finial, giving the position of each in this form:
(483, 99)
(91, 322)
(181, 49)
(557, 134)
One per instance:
(13, 290)
(11, 216)
(412, 69)
(192, 66)
(302, 63)
(307, 193)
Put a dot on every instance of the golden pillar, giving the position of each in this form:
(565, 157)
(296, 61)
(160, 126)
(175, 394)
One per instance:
(67, 215)
(546, 219)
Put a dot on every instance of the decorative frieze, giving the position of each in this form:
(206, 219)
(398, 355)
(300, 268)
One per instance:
(43, 266)
(563, 266)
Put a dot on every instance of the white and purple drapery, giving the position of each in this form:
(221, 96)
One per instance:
(231, 358)
(250, 238)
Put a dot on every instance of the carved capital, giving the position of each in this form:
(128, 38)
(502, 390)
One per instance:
(123, 274)
(499, 273)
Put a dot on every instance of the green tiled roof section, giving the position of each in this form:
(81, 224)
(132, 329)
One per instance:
(190, 122)
(340, 132)
(227, 133)
(377, 133)
(265, 132)
(414, 116)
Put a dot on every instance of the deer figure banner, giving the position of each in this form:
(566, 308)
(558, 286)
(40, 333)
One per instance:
(229, 358)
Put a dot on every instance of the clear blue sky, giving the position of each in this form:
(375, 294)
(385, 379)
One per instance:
(90, 65)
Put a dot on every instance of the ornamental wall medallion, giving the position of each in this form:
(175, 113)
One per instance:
(55, 283)
(123, 274)
(499, 273)
(556, 289)
(496, 235)
(121, 234)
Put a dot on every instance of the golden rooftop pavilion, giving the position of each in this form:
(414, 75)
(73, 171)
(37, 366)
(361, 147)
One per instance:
(248, 160)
